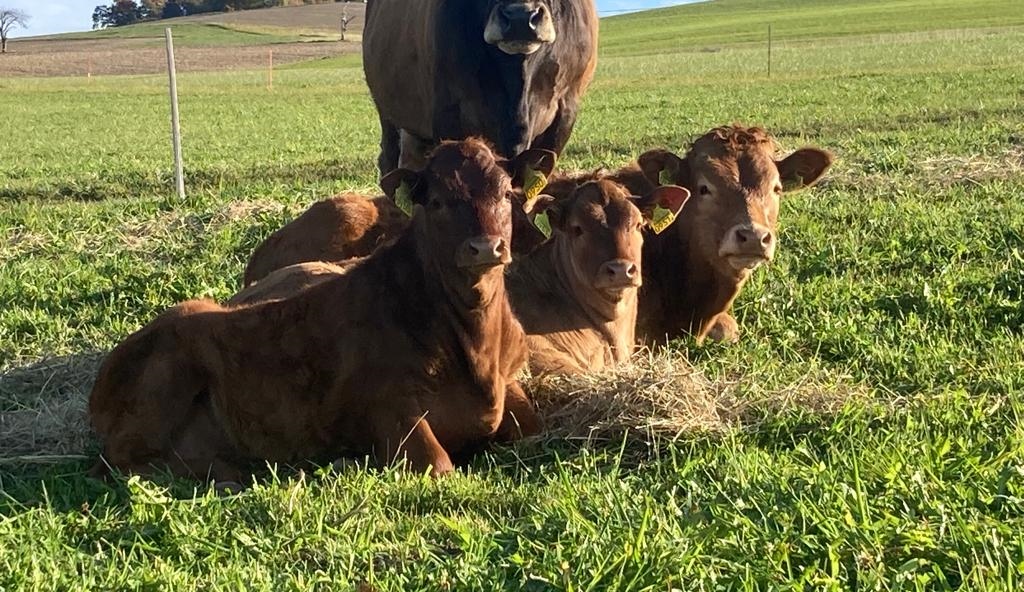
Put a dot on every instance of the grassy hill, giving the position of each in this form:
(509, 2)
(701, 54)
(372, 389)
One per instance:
(728, 22)
(866, 433)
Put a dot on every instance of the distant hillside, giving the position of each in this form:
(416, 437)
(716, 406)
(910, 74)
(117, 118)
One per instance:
(726, 22)
(242, 40)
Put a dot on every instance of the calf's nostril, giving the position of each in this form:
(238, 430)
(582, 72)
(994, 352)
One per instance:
(631, 271)
(766, 239)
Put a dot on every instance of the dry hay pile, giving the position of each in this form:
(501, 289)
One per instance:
(659, 396)
(43, 409)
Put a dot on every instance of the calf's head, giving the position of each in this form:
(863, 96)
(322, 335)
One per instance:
(519, 26)
(598, 233)
(736, 184)
(462, 203)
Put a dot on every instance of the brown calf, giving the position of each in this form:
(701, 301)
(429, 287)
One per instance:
(351, 225)
(409, 354)
(292, 279)
(694, 272)
(576, 295)
(342, 227)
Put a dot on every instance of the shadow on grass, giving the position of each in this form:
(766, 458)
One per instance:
(129, 183)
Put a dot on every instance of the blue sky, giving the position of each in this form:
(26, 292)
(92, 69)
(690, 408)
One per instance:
(61, 16)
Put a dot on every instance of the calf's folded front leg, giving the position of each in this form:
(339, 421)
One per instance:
(412, 439)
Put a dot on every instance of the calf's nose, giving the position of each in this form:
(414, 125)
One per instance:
(753, 236)
(484, 250)
(618, 272)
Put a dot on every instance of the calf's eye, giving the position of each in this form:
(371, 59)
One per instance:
(577, 230)
(435, 204)
(704, 190)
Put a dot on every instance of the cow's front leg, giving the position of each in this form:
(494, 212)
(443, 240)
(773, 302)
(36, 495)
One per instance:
(387, 161)
(556, 136)
(412, 439)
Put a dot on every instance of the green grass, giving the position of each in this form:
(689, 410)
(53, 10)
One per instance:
(727, 22)
(902, 275)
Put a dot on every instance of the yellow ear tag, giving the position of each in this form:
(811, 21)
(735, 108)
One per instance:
(665, 178)
(403, 198)
(543, 224)
(533, 184)
(662, 219)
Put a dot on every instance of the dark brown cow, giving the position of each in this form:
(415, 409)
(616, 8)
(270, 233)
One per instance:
(416, 363)
(693, 273)
(576, 295)
(352, 225)
(341, 227)
(512, 71)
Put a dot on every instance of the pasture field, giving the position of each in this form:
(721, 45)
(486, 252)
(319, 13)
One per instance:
(866, 432)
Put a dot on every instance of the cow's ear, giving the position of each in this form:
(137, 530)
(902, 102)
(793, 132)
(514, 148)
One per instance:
(405, 188)
(540, 161)
(663, 167)
(803, 168)
(662, 206)
(530, 170)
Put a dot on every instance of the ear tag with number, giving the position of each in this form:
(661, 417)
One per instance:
(662, 219)
(403, 198)
(533, 183)
(665, 178)
(543, 224)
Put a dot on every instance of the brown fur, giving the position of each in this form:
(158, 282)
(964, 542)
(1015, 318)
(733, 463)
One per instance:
(350, 226)
(342, 227)
(290, 280)
(574, 321)
(415, 364)
(576, 318)
(690, 282)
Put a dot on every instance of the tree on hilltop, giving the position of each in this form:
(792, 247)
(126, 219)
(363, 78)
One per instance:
(10, 18)
(118, 14)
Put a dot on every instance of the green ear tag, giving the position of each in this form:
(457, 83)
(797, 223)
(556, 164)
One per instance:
(403, 198)
(543, 224)
(665, 178)
(662, 219)
(533, 184)
(793, 184)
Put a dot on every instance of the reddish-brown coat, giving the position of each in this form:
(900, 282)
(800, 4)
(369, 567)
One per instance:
(694, 271)
(342, 227)
(409, 354)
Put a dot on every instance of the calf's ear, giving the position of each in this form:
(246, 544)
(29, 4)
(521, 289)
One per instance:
(541, 212)
(661, 207)
(803, 168)
(405, 188)
(663, 167)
